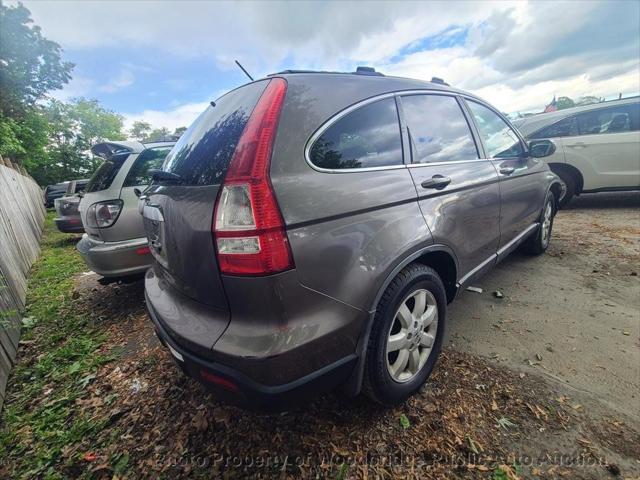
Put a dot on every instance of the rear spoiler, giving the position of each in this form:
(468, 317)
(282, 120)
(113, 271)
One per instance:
(108, 149)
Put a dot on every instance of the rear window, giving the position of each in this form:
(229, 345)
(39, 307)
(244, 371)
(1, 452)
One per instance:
(106, 172)
(56, 188)
(365, 138)
(203, 153)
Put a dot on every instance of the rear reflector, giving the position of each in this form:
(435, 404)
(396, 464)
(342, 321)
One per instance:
(217, 380)
(143, 251)
(248, 228)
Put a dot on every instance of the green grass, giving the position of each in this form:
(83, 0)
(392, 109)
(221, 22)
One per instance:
(55, 365)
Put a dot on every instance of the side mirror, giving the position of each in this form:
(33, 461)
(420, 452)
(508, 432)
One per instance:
(137, 191)
(541, 148)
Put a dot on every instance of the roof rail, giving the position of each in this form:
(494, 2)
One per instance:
(367, 71)
(439, 81)
(296, 71)
(370, 71)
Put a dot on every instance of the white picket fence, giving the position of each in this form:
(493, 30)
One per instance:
(22, 215)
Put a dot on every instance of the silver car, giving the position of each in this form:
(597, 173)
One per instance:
(115, 244)
(68, 216)
(598, 145)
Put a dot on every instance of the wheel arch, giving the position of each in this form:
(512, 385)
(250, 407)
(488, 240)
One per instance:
(571, 170)
(556, 189)
(439, 257)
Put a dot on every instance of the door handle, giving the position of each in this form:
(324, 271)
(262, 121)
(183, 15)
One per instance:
(507, 170)
(577, 145)
(437, 181)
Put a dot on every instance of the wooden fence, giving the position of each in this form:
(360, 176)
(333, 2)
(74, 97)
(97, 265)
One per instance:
(21, 220)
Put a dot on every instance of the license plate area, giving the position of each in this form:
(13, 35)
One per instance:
(154, 227)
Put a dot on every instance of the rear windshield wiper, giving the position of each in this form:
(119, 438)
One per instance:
(161, 175)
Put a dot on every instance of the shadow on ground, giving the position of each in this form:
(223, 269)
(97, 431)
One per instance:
(605, 200)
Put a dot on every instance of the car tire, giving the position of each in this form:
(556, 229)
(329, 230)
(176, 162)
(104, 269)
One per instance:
(570, 185)
(415, 287)
(538, 242)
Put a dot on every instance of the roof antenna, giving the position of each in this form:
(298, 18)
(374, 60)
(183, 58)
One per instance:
(245, 72)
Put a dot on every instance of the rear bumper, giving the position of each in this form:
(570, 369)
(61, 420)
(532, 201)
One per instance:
(69, 224)
(278, 343)
(237, 388)
(115, 259)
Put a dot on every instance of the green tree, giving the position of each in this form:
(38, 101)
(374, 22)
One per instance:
(179, 131)
(94, 123)
(159, 135)
(588, 100)
(140, 130)
(34, 136)
(30, 67)
(73, 128)
(564, 102)
(31, 64)
(10, 145)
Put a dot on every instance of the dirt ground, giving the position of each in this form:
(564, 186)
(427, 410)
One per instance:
(558, 357)
(542, 383)
(573, 315)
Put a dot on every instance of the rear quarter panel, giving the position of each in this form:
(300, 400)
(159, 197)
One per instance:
(347, 230)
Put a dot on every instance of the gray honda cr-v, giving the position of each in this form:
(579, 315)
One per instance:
(309, 230)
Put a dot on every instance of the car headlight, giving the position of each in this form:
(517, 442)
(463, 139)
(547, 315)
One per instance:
(103, 214)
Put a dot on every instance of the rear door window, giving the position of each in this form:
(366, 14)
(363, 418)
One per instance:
(618, 119)
(438, 129)
(567, 127)
(203, 153)
(149, 159)
(366, 137)
(500, 140)
(106, 172)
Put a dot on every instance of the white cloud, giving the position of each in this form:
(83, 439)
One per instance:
(123, 79)
(520, 58)
(77, 87)
(510, 100)
(516, 54)
(180, 116)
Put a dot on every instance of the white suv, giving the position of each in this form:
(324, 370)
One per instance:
(598, 145)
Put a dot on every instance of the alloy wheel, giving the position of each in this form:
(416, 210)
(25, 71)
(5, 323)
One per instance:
(412, 335)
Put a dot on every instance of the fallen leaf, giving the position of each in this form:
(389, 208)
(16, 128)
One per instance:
(404, 421)
(89, 457)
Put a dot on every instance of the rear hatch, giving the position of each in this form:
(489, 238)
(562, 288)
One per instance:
(178, 213)
(101, 186)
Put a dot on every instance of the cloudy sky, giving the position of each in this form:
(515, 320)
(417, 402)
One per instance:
(163, 61)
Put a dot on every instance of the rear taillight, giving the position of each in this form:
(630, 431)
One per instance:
(103, 214)
(248, 228)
